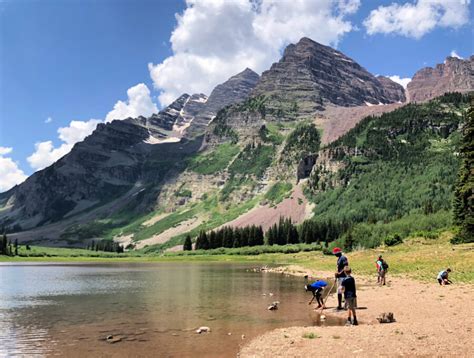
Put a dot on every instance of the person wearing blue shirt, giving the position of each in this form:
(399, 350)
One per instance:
(340, 274)
(443, 277)
(317, 288)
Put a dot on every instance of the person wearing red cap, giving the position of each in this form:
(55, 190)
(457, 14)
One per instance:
(340, 274)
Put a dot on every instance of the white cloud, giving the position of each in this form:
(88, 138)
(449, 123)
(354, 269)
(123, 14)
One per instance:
(454, 54)
(401, 81)
(77, 131)
(139, 103)
(11, 174)
(45, 153)
(215, 39)
(5, 150)
(418, 18)
(48, 120)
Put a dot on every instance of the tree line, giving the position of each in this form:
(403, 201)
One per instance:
(282, 233)
(226, 237)
(8, 248)
(105, 245)
(463, 207)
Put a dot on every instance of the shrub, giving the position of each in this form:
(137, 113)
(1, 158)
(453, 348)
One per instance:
(393, 240)
(310, 335)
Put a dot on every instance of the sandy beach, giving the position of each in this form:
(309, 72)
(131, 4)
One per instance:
(431, 321)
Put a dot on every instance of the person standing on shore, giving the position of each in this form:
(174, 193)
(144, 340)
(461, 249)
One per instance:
(381, 270)
(348, 287)
(340, 274)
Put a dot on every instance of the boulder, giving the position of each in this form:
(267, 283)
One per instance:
(386, 317)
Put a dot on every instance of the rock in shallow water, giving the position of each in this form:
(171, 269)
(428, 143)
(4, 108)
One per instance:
(111, 339)
(203, 329)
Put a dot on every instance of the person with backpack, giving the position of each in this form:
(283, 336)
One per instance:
(382, 268)
(340, 274)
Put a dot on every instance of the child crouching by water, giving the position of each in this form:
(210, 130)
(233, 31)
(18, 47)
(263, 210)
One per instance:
(350, 296)
(317, 288)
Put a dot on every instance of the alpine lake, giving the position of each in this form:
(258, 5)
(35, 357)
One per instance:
(144, 309)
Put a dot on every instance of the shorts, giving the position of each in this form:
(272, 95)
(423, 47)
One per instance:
(351, 302)
(339, 284)
(382, 273)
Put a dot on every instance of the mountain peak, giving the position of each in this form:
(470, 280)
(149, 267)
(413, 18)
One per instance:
(234, 90)
(247, 72)
(312, 75)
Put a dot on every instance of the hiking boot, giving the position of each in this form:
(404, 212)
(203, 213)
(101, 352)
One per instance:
(339, 308)
(348, 323)
(355, 323)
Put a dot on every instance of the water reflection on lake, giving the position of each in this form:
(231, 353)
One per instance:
(153, 309)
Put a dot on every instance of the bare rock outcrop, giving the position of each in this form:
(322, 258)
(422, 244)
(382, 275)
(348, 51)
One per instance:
(454, 75)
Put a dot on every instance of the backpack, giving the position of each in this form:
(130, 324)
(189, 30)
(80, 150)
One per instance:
(384, 265)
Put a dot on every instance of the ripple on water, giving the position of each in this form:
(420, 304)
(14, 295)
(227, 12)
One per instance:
(20, 340)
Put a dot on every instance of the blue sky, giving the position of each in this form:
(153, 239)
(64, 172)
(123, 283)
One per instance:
(72, 60)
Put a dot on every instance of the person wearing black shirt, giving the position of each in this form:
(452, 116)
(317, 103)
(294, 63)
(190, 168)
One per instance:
(350, 296)
(340, 274)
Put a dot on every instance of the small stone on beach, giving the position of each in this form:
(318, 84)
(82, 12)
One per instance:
(203, 329)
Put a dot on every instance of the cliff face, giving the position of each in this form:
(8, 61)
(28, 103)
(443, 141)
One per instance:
(235, 90)
(312, 75)
(454, 75)
(392, 90)
(120, 158)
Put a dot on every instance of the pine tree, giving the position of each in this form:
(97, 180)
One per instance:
(293, 235)
(212, 240)
(228, 237)
(219, 238)
(259, 238)
(202, 242)
(272, 235)
(237, 238)
(252, 235)
(188, 244)
(464, 192)
(3, 244)
(245, 236)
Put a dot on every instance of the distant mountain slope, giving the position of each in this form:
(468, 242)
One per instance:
(454, 75)
(399, 164)
(311, 75)
(117, 156)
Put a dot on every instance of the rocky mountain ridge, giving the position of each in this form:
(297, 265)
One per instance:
(454, 75)
(232, 141)
(118, 156)
(312, 75)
